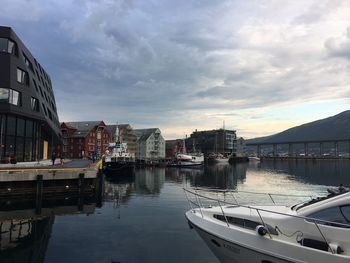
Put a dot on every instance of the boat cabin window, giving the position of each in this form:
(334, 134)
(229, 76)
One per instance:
(245, 223)
(338, 214)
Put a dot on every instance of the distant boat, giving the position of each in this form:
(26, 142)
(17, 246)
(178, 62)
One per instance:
(186, 160)
(254, 159)
(217, 158)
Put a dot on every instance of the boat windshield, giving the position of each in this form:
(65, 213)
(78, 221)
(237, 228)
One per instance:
(318, 199)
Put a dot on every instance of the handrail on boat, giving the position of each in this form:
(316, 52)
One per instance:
(248, 192)
(258, 210)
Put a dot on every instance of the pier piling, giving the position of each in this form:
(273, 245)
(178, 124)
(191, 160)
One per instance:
(39, 194)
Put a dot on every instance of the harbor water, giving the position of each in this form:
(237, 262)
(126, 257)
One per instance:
(140, 217)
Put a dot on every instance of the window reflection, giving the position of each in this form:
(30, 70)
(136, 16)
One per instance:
(10, 96)
(22, 76)
(8, 46)
(34, 102)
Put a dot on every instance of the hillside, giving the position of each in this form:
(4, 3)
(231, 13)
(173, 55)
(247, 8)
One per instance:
(333, 128)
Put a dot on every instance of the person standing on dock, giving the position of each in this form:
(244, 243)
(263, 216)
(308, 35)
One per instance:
(53, 158)
(61, 159)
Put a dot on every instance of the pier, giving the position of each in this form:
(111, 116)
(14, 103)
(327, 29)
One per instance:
(37, 184)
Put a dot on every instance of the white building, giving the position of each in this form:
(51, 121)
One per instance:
(150, 144)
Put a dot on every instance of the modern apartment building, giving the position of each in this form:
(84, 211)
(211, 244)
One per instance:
(29, 125)
(212, 141)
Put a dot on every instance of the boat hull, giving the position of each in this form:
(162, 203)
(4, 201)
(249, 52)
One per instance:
(235, 245)
(185, 164)
(228, 252)
(119, 168)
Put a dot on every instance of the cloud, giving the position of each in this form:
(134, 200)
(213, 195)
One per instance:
(339, 46)
(177, 63)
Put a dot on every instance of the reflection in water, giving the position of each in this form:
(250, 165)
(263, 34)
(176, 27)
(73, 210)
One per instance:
(25, 228)
(25, 240)
(149, 180)
(152, 203)
(223, 176)
(322, 172)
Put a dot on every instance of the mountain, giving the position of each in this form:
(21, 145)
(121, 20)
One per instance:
(333, 128)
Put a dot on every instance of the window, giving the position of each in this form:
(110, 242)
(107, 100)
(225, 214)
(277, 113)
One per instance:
(10, 96)
(37, 75)
(27, 62)
(334, 214)
(41, 92)
(22, 76)
(50, 114)
(35, 86)
(15, 97)
(4, 95)
(20, 127)
(42, 104)
(244, 223)
(8, 46)
(34, 102)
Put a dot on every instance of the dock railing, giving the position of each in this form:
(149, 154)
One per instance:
(200, 201)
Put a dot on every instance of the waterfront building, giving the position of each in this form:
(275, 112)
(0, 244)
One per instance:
(150, 144)
(172, 147)
(213, 141)
(240, 147)
(84, 139)
(126, 136)
(29, 125)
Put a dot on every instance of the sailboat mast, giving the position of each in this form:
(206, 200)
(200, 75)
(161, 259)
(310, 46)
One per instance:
(117, 137)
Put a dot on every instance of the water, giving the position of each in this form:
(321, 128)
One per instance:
(141, 218)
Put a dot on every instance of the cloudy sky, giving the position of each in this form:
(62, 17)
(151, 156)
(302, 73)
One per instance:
(260, 66)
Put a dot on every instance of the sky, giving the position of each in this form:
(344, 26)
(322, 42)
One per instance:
(258, 67)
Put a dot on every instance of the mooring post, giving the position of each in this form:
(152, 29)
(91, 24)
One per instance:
(99, 188)
(81, 191)
(39, 193)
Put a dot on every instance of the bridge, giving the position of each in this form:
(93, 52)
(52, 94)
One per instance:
(306, 145)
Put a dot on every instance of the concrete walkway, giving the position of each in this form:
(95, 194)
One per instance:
(79, 163)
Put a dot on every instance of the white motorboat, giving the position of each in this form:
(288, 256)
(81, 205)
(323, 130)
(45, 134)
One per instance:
(217, 158)
(187, 160)
(317, 230)
(253, 159)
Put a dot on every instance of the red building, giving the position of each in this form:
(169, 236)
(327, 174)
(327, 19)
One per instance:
(84, 139)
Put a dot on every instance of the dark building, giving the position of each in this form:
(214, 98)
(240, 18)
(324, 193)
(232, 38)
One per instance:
(212, 141)
(83, 139)
(29, 125)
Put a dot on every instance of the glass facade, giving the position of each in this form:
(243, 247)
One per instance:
(18, 139)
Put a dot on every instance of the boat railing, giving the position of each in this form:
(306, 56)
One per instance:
(248, 197)
(201, 201)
